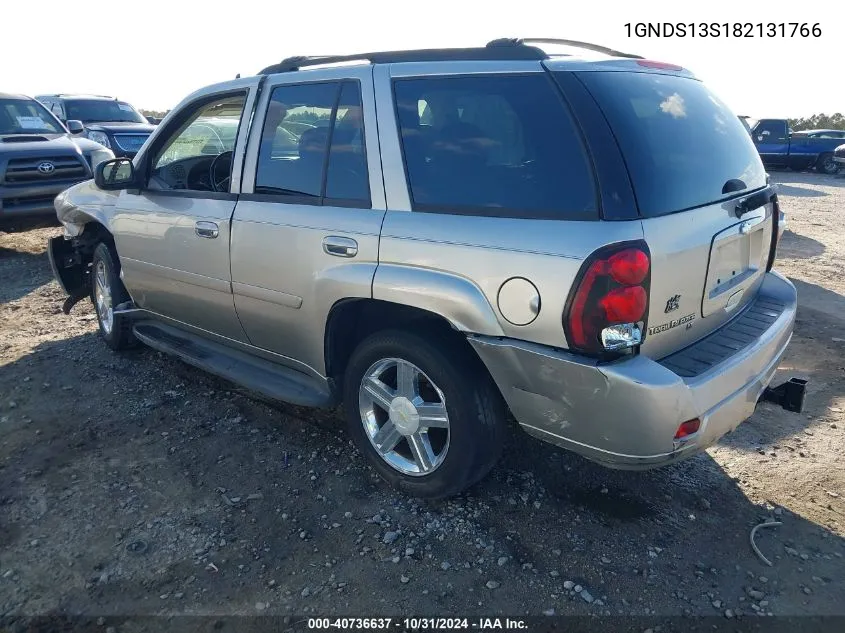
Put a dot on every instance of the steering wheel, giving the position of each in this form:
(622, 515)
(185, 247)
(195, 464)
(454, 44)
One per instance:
(220, 184)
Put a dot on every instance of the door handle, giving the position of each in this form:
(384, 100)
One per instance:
(209, 230)
(340, 246)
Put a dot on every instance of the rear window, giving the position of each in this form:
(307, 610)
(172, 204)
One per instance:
(493, 145)
(681, 143)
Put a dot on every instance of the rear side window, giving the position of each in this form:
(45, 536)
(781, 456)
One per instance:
(493, 145)
(312, 145)
(681, 143)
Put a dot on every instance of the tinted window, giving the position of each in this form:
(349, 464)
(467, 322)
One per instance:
(206, 138)
(294, 140)
(22, 116)
(495, 145)
(347, 176)
(681, 143)
(296, 136)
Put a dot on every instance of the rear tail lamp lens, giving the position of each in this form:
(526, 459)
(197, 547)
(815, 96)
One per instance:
(629, 266)
(625, 304)
(608, 305)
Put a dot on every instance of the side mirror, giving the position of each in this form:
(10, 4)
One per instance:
(75, 127)
(115, 174)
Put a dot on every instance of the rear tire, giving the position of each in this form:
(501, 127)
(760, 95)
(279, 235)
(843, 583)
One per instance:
(450, 390)
(107, 292)
(827, 165)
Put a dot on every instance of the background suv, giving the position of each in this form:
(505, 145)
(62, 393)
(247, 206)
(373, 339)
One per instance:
(116, 124)
(39, 157)
(432, 237)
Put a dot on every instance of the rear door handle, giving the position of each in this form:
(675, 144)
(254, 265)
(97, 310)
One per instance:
(209, 230)
(340, 246)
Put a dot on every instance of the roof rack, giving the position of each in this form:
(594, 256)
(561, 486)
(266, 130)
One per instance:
(423, 55)
(505, 49)
(572, 43)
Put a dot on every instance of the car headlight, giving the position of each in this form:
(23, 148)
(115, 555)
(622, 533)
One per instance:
(98, 156)
(99, 137)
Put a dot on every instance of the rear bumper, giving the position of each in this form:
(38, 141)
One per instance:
(625, 414)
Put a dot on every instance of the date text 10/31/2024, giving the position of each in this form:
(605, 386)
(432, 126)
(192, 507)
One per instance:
(418, 624)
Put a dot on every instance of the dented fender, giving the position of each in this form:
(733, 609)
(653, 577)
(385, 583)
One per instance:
(84, 203)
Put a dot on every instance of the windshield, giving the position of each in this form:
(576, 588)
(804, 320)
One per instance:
(683, 146)
(101, 110)
(23, 116)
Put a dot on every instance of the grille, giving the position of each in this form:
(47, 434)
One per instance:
(28, 202)
(25, 170)
(130, 142)
(727, 341)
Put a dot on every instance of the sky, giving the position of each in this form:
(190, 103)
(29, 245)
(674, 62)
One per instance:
(153, 54)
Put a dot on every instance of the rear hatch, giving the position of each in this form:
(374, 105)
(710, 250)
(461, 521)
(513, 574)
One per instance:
(691, 162)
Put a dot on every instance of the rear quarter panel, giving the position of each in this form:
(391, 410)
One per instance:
(487, 252)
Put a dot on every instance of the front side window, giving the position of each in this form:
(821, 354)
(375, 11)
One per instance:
(493, 145)
(22, 116)
(198, 155)
(312, 144)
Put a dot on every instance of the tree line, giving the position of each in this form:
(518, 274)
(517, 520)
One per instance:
(819, 122)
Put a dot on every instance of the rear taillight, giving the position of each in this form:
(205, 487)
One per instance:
(607, 308)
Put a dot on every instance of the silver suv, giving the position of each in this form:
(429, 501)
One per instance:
(433, 238)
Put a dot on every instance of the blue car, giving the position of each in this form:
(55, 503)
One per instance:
(779, 146)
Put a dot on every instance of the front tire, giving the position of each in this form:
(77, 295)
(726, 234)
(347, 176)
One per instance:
(827, 165)
(425, 414)
(107, 292)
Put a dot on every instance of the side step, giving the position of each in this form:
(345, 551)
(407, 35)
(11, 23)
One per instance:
(269, 379)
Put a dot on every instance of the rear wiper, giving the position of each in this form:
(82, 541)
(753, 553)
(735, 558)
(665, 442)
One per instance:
(754, 201)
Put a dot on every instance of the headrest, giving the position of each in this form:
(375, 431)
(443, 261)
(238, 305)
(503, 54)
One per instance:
(313, 140)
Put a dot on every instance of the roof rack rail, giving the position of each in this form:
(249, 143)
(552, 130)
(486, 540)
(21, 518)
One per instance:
(494, 53)
(504, 49)
(522, 41)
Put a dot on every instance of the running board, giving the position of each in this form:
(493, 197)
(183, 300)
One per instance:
(271, 380)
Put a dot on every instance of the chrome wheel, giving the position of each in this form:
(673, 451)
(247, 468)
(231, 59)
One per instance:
(404, 416)
(102, 297)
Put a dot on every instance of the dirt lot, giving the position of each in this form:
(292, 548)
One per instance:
(133, 484)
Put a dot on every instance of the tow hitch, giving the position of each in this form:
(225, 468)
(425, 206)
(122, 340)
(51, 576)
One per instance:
(789, 395)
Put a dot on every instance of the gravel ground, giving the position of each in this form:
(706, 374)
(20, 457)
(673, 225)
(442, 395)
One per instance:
(133, 484)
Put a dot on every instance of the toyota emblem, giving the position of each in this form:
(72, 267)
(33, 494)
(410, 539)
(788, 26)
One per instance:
(46, 167)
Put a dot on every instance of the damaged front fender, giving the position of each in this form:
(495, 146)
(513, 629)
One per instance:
(82, 204)
(85, 212)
